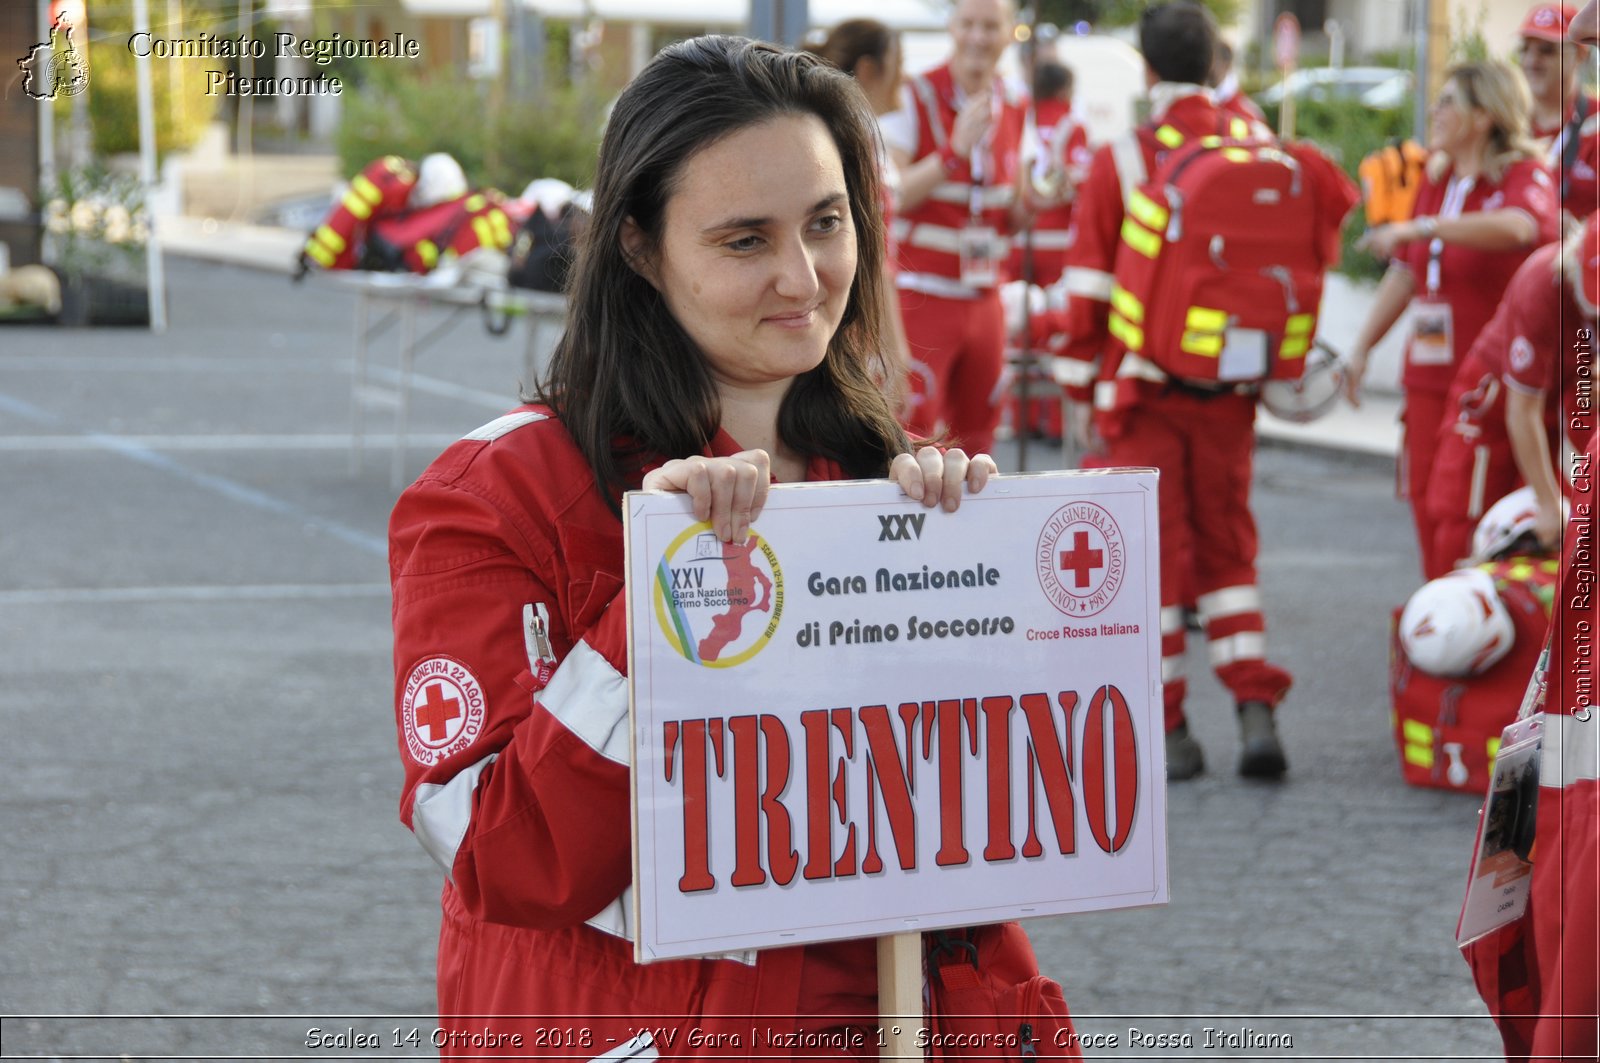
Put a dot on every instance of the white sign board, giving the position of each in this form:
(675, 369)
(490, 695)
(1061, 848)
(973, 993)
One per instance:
(874, 717)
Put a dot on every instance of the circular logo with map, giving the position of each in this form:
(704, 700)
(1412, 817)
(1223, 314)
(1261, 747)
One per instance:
(718, 603)
(1081, 559)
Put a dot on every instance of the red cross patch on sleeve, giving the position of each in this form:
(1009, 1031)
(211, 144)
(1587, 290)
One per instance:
(441, 711)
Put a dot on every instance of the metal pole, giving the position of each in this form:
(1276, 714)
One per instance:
(156, 281)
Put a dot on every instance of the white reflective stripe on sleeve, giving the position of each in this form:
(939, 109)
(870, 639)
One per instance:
(934, 238)
(1049, 240)
(1479, 481)
(1073, 372)
(616, 919)
(899, 229)
(1171, 619)
(930, 107)
(590, 698)
(990, 198)
(1171, 669)
(501, 425)
(1229, 601)
(1089, 283)
(1571, 750)
(1105, 394)
(1244, 646)
(1129, 160)
(933, 284)
(440, 813)
(1138, 366)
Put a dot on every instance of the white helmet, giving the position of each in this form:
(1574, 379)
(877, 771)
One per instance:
(439, 180)
(1308, 398)
(1505, 524)
(1456, 625)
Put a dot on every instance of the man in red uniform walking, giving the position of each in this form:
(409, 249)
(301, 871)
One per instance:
(958, 147)
(1564, 120)
(1201, 437)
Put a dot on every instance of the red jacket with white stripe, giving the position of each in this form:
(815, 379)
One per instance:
(927, 234)
(1540, 976)
(507, 568)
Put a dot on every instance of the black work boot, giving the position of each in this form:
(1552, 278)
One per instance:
(1260, 754)
(1184, 757)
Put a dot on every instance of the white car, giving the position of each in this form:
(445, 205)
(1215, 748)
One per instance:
(1379, 87)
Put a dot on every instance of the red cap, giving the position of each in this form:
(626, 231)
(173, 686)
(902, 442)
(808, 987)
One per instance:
(1549, 22)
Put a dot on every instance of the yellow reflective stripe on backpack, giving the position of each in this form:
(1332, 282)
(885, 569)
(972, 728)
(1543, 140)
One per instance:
(502, 228)
(428, 251)
(1140, 239)
(1131, 335)
(1238, 129)
(1205, 344)
(1206, 319)
(320, 253)
(329, 239)
(356, 205)
(476, 202)
(1152, 214)
(1294, 347)
(1421, 756)
(1299, 324)
(366, 189)
(1237, 154)
(1416, 731)
(1169, 136)
(1127, 304)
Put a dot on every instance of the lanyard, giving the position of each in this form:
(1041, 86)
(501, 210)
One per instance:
(1455, 199)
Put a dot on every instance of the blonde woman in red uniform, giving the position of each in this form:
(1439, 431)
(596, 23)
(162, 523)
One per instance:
(1487, 203)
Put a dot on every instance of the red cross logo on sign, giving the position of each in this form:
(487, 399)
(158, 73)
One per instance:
(1081, 560)
(442, 709)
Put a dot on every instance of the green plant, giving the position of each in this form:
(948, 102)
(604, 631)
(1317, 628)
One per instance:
(178, 89)
(97, 222)
(556, 136)
(1348, 130)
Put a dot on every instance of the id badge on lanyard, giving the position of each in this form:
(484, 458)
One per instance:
(1432, 332)
(1433, 319)
(984, 251)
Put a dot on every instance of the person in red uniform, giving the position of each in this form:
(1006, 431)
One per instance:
(1505, 419)
(1564, 123)
(957, 144)
(1225, 82)
(871, 52)
(724, 317)
(1487, 203)
(1062, 160)
(1201, 439)
(1540, 976)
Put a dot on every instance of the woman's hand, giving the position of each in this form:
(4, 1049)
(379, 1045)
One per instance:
(728, 492)
(1382, 241)
(1355, 367)
(932, 476)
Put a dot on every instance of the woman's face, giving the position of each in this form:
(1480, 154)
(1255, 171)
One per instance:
(758, 251)
(1455, 126)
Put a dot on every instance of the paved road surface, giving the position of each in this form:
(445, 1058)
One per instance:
(200, 768)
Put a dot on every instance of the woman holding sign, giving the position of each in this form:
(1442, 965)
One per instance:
(725, 316)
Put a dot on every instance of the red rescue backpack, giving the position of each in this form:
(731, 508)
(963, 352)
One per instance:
(1219, 273)
(1447, 730)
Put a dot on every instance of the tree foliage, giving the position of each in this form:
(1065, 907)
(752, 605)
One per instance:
(1108, 14)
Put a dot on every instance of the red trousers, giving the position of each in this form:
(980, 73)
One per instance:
(1424, 413)
(1204, 448)
(1473, 468)
(957, 353)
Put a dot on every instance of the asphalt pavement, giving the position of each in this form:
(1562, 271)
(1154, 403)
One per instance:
(201, 772)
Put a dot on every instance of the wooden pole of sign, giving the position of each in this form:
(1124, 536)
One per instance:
(900, 995)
